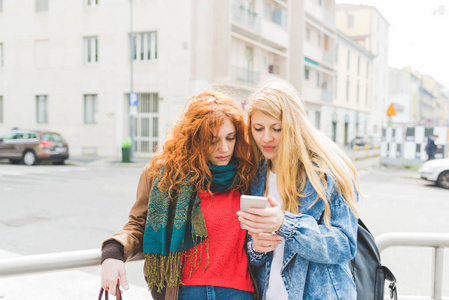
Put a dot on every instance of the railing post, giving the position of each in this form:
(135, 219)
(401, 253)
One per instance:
(437, 273)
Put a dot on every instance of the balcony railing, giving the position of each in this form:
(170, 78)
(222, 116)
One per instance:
(326, 96)
(244, 75)
(245, 16)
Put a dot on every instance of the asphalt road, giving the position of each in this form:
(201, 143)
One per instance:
(64, 208)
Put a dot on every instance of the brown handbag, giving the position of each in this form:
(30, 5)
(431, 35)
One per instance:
(118, 295)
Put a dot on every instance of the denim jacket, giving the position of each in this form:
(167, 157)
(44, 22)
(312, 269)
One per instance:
(315, 264)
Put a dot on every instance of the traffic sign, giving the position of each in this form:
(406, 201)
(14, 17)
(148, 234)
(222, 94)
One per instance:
(133, 99)
(391, 111)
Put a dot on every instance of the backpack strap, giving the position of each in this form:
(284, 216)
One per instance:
(390, 277)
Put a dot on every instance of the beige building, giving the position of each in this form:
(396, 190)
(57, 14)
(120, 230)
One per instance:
(66, 66)
(367, 26)
(351, 114)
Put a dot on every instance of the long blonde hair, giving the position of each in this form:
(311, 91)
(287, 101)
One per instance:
(304, 151)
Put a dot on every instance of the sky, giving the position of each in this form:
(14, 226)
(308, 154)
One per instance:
(417, 37)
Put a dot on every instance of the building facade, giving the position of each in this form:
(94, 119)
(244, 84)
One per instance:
(366, 25)
(352, 102)
(70, 67)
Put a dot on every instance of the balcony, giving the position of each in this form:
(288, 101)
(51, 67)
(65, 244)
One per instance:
(274, 35)
(243, 75)
(245, 17)
(313, 52)
(327, 96)
(320, 14)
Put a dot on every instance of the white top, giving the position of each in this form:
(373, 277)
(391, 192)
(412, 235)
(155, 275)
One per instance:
(276, 287)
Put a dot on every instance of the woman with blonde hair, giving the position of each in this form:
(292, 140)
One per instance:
(302, 243)
(184, 219)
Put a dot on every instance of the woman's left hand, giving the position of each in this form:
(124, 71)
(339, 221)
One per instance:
(258, 220)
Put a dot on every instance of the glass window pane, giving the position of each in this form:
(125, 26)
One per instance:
(145, 146)
(142, 45)
(155, 45)
(155, 103)
(149, 46)
(155, 145)
(155, 126)
(96, 49)
(88, 51)
(145, 127)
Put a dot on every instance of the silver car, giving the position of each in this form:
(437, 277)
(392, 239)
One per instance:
(32, 146)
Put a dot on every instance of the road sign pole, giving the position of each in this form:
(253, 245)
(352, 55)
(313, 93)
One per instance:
(131, 58)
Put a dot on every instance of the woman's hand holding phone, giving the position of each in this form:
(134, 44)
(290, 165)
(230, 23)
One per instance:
(260, 220)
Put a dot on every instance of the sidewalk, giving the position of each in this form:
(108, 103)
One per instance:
(106, 161)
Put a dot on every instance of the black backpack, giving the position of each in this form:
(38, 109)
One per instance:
(369, 274)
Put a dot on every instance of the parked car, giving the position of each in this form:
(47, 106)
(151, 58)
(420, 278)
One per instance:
(32, 146)
(436, 170)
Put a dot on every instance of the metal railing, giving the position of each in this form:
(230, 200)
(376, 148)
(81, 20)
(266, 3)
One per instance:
(437, 241)
(88, 258)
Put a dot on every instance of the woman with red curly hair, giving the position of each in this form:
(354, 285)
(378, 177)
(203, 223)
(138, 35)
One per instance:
(184, 219)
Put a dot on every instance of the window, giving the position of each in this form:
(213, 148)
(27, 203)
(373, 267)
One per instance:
(145, 46)
(90, 109)
(1, 5)
(326, 42)
(358, 93)
(308, 34)
(358, 65)
(306, 73)
(91, 50)
(1, 54)
(249, 54)
(41, 5)
(1, 109)
(318, 119)
(347, 89)
(349, 60)
(267, 11)
(351, 21)
(91, 2)
(367, 69)
(41, 109)
(366, 95)
(318, 79)
(146, 123)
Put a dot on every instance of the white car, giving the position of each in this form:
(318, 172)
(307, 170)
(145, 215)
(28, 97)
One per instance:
(436, 170)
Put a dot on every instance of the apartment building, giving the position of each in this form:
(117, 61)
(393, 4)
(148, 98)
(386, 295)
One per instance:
(366, 25)
(353, 93)
(66, 66)
(319, 82)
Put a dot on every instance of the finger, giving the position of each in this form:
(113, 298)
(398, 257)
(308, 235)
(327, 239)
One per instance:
(252, 225)
(273, 202)
(123, 279)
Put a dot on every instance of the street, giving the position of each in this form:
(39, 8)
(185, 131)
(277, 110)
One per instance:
(49, 208)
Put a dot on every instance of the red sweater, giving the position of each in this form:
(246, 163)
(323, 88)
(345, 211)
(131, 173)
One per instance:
(228, 265)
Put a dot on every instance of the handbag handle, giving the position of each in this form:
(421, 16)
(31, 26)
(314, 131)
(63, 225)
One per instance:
(118, 295)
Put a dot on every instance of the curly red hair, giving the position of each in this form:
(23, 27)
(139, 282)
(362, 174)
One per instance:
(186, 149)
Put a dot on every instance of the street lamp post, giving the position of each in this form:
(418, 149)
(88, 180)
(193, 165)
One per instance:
(132, 96)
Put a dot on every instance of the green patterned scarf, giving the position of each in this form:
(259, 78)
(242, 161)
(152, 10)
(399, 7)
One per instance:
(172, 227)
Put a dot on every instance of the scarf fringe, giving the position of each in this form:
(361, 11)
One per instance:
(166, 271)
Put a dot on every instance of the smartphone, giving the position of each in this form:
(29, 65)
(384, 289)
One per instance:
(247, 201)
